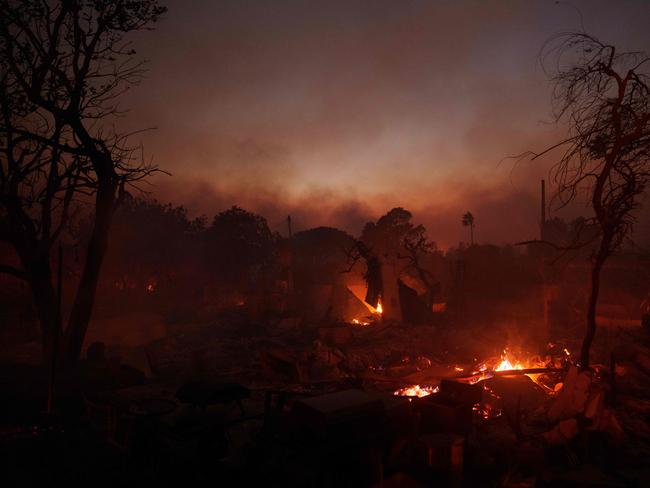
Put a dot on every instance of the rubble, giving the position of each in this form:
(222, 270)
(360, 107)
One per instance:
(418, 408)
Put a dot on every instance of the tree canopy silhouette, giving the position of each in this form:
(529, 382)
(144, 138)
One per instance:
(63, 67)
(604, 96)
(468, 221)
(395, 233)
(240, 247)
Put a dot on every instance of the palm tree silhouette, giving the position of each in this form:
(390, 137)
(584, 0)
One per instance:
(468, 221)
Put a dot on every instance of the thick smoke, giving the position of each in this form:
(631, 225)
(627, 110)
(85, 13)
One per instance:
(335, 112)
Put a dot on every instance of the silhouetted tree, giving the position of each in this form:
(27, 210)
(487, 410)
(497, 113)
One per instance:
(468, 221)
(418, 247)
(372, 275)
(389, 231)
(396, 234)
(240, 247)
(150, 239)
(63, 67)
(494, 273)
(320, 254)
(605, 97)
(556, 231)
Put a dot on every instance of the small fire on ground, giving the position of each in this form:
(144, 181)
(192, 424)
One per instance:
(359, 322)
(417, 391)
(368, 320)
(511, 362)
(486, 369)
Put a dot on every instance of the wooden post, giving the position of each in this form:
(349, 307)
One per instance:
(290, 283)
(543, 216)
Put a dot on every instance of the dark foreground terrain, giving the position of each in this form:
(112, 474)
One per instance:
(235, 403)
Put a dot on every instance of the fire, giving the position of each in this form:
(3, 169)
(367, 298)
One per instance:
(151, 287)
(417, 391)
(378, 310)
(508, 364)
(486, 411)
(359, 322)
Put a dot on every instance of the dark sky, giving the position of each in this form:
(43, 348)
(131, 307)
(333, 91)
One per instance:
(337, 111)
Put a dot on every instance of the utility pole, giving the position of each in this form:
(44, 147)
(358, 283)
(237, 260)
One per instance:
(290, 282)
(543, 219)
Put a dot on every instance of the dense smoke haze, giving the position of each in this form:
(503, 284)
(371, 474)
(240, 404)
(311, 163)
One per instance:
(338, 111)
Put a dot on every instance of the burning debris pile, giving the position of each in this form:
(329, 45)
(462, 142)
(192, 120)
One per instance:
(546, 373)
(353, 402)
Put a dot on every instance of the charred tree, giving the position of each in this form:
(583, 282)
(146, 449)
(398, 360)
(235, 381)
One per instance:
(63, 66)
(604, 96)
(390, 247)
(417, 247)
(372, 275)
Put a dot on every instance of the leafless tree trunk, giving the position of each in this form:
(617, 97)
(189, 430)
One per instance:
(63, 65)
(86, 291)
(597, 267)
(605, 97)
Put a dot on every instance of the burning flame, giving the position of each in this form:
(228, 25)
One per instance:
(417, 391)
(379, 308)
(151, 287)
(359, 322)
(508, 363)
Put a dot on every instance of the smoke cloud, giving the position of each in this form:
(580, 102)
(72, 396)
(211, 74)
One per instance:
(335, 112)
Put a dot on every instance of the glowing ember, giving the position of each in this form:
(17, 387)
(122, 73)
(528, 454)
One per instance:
(417, 391)
(359, 322)
(151, 287)
(486, 411)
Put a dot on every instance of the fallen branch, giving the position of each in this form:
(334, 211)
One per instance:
(509, 372)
